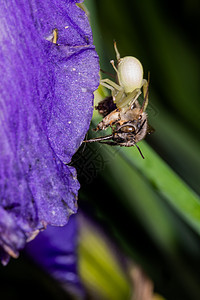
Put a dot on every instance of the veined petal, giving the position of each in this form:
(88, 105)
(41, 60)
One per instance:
(46, 98)
(55, 251)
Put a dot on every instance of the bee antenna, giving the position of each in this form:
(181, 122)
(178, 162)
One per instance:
(141, 126)
(139, 151)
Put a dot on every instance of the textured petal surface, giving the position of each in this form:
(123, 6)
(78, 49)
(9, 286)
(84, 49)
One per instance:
(55, 250)
(46, 98)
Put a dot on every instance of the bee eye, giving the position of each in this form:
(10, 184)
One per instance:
(131, 129)
(128, 129)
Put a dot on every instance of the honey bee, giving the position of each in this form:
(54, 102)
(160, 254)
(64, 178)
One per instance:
(122, 111)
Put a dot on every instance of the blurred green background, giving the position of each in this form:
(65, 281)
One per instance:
(149, 208)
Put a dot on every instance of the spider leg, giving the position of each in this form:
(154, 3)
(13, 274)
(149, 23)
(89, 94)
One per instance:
(132, 97)
(145, 86)
(116, 51)
(111, 85)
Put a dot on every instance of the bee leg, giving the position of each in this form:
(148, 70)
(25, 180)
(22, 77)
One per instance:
(99, 139)
(111, 143)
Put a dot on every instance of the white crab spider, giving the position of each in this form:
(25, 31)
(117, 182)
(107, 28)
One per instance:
(130, 80)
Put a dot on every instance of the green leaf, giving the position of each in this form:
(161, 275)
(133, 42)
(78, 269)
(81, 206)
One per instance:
(167, 183)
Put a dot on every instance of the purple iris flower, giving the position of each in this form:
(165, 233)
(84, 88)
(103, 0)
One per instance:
(55, 251)
(46, 104)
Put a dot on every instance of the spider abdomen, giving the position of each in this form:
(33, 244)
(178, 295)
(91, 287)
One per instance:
(130, 73)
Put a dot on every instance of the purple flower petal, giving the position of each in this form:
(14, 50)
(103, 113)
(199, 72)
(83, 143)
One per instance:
(55, 250)
(46, 98)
